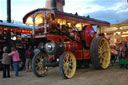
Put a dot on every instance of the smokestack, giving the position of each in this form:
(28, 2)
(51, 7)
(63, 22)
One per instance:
(9, 11)
(55, 4)
(51, 4)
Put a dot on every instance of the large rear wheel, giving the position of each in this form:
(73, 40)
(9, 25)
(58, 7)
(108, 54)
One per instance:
(67, 65)
(38, 64)
(100, 53)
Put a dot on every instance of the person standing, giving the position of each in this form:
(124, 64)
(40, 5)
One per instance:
(36, 50)
(16, 58)
(122, 54)
(113, 55)
(29, 54)
(6, 61)
(126, 54)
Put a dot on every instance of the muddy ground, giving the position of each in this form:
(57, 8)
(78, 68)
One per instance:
(89, 76)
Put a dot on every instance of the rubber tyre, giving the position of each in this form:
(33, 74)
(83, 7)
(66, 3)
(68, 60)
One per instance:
(94, 52)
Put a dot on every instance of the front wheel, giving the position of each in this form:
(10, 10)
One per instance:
(38, 64)
(67, 65)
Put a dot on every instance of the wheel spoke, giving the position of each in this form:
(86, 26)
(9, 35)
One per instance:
(66, 70)
(103, 44)
(70, 60)
(101, 59)
(37, 68)
(65, 65)
(69, 71)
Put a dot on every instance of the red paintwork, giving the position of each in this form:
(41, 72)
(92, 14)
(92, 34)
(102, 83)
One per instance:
(52, 37)
(66, 17)
(61, 16)
(86, 54)
(71, 46)
(87, 34)
(77, 36)
(82, 54)
(78, 54)
(74, 46)
(56, 38)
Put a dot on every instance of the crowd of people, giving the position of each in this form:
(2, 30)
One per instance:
(120, 52)
(6, 61)
(14, 57)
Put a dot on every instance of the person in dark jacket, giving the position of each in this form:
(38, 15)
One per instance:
(28, 55)
(6, 61)
(35, 50)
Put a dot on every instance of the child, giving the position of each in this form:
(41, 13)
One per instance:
(6, 61)
(16, 58)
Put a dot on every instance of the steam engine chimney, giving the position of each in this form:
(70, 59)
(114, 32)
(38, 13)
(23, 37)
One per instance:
(9, 11)
(55, 4)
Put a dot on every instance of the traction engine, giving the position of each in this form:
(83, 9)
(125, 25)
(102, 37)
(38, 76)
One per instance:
(66, 40)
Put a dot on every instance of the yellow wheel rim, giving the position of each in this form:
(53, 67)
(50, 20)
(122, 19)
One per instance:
(40, 68)
(69, 65)
(104, 53)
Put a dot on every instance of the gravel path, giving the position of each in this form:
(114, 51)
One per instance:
(90, 76)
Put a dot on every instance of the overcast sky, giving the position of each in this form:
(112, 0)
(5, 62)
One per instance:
(113, 11)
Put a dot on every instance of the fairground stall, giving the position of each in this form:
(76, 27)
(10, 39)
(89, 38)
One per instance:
(15, 35)
(116, 33)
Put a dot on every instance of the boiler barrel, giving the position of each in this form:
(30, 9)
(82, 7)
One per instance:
(71, 46)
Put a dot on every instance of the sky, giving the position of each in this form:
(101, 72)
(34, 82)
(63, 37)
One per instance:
(113, 11)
